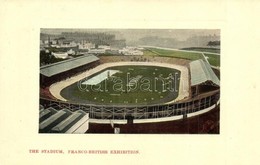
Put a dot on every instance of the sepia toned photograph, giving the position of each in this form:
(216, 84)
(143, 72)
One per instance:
(129, 81)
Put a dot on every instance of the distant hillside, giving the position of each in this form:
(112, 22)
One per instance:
(194, 41)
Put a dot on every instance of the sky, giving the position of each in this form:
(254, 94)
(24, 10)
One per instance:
(136, 34)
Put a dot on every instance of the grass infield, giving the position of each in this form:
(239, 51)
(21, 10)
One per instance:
(131, 85)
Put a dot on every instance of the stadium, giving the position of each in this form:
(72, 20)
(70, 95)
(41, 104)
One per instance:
(162, 91)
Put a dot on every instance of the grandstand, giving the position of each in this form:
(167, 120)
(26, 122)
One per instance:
(46, 113)
(60, 70)
(203, 77)
(63, 121)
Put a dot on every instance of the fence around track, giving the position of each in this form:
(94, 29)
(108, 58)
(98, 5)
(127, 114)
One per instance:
(139, 112)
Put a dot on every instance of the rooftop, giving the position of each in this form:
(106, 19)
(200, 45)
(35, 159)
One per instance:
(63, 66)
(201, 72)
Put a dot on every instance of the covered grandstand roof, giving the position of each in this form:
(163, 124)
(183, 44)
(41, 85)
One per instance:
(201, 72)
(63, 121)
(63, 66)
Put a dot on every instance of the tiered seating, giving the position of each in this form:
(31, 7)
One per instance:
(170, 60)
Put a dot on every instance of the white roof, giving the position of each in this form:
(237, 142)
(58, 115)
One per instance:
(201, 72)
(63, 66)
